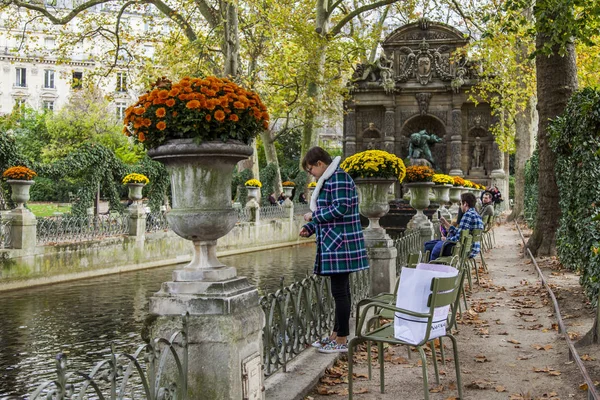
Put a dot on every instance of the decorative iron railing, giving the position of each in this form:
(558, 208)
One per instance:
(5, 227)
(409, 243)
(156, 371)
(243, 214)
(78, 229)
(156, 221)
(272, 212)
(301, 209)
(299, 314)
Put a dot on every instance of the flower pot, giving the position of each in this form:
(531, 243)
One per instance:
(455, 192)
(442, 197)
(419, 200)
(372, 196)
(135, 191)
(287, 191)
(201, 190)
(252, 192)
(20, 191)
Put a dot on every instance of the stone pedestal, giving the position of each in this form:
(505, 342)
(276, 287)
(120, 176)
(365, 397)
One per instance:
(382, 265)
(137, 219)
(252, 207)
(23, 228)
(419, 200)
(225, 330)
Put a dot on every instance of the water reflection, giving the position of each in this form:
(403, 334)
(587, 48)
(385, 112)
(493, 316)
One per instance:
(83, 318)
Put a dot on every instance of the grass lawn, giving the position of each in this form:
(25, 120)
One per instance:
(48, 209)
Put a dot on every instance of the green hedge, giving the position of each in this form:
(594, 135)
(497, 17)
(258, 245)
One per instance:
(575, 139)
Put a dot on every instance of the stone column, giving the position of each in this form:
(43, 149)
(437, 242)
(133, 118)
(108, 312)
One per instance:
(350, 130)
(456, 144)
(23, 228)
(498, 175)
(382, 261)
(137, 219)
(389, 127)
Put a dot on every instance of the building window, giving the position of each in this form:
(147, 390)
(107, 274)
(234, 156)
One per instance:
(121, 82)
(49, 79)
(21, 80)
(49, 43)
(48, 105)
(121, 109)
(77, 80)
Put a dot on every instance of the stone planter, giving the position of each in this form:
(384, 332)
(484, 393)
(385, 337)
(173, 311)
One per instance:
(201, 188)
(287, 191)
(419, 200)
(442, 197)
(373, 203)
(135, 191)
(252, 192)
(455, 192)
(20, 191)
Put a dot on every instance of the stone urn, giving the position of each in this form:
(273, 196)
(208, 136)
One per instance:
(287, 191)
(201, 189)
(20, 191)
(442, 197)
(419, 199)
(253, 192)
(135, 191)
(455, 192)
(373, 203)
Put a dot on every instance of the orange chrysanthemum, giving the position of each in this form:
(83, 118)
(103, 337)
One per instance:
(146, 122)
(208, 117)
(193, 104)
(161, 125)
(219, 115)
(139, 111)
(174, 92)
(239, 105)
(141, 137)
(161, 112)
(234, 118)
(170, 102)
(163, 94)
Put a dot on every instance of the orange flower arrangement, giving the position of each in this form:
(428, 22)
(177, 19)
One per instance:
(19, 173)
(418, 173)
(200, 108)
(458, 181)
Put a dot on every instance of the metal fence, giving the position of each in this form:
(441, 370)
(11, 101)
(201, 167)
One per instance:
(156, 221)
(243, 214)
(301, 313)
(271, 212)
(157, 370)
(5, 227)
(62, 229)
(409, 243)
(301, 209)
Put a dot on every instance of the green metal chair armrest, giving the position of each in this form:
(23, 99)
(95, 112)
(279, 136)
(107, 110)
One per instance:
(385, 306)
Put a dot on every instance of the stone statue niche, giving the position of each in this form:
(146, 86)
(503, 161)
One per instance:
(371, 138)
(477, 159)
(418, 148)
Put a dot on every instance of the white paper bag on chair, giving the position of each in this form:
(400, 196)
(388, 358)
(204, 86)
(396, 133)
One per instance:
(413, 292)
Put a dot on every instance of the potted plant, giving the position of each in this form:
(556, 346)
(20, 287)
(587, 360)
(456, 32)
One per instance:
(253, 186)
(455, 192)
(20, 179)
(200, 128)
(135, 183)
(374, 171)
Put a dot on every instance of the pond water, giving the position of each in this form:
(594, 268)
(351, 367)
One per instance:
(83, 318)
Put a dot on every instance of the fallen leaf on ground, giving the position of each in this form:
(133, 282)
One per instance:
(481, 358)
(586, 357)
(540, 347)
(500, 389)
(437, 389)
(513, 341)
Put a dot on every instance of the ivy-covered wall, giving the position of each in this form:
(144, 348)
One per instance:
(531, 188)
(575, 138)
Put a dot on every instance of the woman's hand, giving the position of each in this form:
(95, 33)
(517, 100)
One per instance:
(308, 216)
(304, 232)
(445, 223)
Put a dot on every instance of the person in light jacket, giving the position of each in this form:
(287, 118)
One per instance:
(335, 221)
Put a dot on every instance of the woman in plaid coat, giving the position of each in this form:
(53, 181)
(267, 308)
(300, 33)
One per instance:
(335, 221)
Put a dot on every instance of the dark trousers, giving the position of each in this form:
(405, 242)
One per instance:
(435, 247)
(340, 290)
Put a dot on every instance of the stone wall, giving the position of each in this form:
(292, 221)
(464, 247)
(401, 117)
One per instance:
(69, 261)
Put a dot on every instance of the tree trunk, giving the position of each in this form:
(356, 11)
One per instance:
(231, 40)
(271, 156)
(556, 82)
(524, 124)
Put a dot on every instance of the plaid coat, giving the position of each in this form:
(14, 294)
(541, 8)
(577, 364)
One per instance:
(336, 223)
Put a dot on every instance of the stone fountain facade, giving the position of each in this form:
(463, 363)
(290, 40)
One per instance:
(417, 84)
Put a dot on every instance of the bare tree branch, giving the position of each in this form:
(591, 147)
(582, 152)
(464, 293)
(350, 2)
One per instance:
(340, 25)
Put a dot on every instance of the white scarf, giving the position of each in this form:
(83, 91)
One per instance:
(326, 175)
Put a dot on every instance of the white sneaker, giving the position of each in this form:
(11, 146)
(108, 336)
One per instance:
(322, 342)
(334, 347)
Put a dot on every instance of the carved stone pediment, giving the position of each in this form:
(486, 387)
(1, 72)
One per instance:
(425, 30)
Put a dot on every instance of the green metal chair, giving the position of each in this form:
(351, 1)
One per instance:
(477, 237)
(444, 293)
